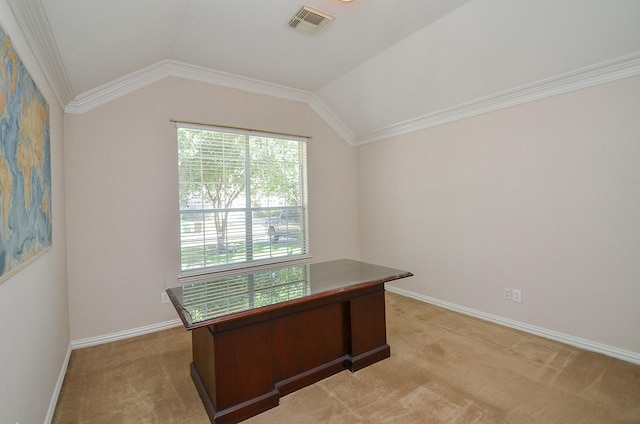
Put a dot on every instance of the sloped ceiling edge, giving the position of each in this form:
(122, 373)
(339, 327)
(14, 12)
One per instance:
(623, 67)
(166, 68)
(32, 20)
(612, 70)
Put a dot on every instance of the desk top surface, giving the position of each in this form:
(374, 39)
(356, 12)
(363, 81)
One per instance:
(212, 301)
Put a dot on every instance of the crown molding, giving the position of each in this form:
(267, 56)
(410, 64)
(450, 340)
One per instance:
(166, 68)
(612, 70)
(32, 19)
(332, 119)
(170, 68)
(622, 67)
(117, 88)
(202, 74)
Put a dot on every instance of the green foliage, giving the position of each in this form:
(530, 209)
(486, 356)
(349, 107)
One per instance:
(212, 167)
(275, 169)
(209, 255)
(242, 293)
(220, 171)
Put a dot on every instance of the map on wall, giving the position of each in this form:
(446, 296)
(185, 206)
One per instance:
(25, 165)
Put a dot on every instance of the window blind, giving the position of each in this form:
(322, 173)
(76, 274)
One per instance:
(243, 198)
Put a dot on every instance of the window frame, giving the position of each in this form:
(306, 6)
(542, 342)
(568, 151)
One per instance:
(250, 263)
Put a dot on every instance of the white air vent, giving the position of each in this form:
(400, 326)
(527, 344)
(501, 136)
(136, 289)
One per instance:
(310, 21)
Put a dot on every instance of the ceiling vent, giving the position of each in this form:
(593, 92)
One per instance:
(310, 21)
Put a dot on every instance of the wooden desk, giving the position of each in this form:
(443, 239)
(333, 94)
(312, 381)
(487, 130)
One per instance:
(260, 336)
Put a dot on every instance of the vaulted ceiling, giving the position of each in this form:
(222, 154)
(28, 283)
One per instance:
(380, 68)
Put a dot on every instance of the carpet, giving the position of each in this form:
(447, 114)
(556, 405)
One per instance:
(444, 368)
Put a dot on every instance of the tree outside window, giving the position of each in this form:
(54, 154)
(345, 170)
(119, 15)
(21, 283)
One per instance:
(242, 198)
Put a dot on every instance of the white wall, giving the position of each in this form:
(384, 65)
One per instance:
(544, 197)
(34, 320)
(480, 49)
(122, 195)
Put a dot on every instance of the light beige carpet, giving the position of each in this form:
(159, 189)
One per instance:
(444, 368)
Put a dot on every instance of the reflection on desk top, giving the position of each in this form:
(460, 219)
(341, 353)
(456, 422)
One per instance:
(203, 303)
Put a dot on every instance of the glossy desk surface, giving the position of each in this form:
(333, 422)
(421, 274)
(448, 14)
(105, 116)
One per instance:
(214, 301)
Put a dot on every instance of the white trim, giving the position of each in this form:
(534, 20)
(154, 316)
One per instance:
(611, 70)
(199, 73)
(117, 88)
(58, 387)
(170, 68)
(608, 71)
(126, 334)
(93, 341)
(34, 24)
(122, 86)
(332, 119)
(625, 355)
(611, 351)
(31, 17)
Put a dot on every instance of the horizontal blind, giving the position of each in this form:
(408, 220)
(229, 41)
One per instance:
(242, 199)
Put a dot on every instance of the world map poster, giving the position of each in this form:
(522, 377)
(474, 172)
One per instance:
(25, 165)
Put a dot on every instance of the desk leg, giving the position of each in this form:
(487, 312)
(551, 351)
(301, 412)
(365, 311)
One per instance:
(368, 330)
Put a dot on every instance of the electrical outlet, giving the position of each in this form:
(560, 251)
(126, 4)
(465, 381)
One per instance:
(165, 297)
(506, 293)
(516, 295)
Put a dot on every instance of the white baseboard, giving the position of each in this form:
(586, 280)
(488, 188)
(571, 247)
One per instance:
(93, 341)
(625, 355)
(58, 388)
(589, 345)
(121, 335)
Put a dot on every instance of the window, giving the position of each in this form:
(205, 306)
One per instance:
(243, 198)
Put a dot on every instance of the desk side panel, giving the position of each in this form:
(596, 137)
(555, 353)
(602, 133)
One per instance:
(203, 355)
(368, 342)
(243, 365)
(310, 340)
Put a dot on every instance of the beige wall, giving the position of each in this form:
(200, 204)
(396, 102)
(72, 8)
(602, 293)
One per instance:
(122, 201)
(541, 197)
(34, 319)
(544, 197)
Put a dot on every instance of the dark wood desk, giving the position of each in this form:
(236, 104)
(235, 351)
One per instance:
(260, 336)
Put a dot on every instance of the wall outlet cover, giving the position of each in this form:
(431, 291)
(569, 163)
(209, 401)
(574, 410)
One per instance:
(506, 293)
(516, 295)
